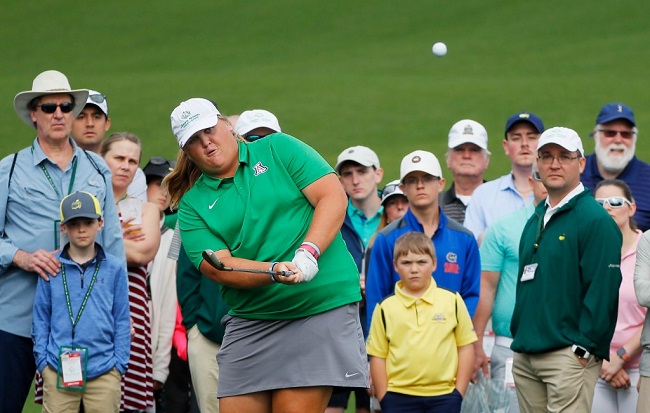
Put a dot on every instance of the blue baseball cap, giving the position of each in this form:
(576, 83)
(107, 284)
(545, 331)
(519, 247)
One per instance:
(525, 116)
(613, 111)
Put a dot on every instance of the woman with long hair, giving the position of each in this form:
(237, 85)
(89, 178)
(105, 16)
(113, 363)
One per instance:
(616, 387)
(274, 205)
(122, 152)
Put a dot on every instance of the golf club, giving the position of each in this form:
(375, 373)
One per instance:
(213, 260)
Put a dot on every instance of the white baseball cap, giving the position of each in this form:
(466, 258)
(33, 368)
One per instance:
(391, 189)
(256, 118)
(468, 131)
(97, 99)
(359, 154)
(420, 161)
(192, 116)
(565, 137)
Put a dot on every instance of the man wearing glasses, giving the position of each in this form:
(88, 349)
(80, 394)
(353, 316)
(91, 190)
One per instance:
(32, 184)
(467, 159)
(89, 129)
(614, 157)
(458, 263)
(567, 288)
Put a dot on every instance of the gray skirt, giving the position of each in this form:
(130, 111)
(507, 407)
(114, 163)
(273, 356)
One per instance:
(325, 349)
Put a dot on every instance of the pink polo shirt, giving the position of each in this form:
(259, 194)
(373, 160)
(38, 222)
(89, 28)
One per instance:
(630, 314)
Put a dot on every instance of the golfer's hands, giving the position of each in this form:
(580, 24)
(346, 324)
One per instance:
(295, 278)
(43, 263)
(306, 263)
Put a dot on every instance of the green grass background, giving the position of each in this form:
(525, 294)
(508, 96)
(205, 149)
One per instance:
(337, 73)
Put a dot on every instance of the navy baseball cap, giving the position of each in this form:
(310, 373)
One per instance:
(613, 111)
(525, 116)
(80, 204)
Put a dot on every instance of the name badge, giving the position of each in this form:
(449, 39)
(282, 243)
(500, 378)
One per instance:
(529, 272)
(72, 368)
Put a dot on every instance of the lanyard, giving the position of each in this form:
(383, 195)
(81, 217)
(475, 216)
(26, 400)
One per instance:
(49, 178)
(73, 320)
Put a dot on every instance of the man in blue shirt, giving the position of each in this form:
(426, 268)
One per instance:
(615, 136)
(511, 191)
(32, 184)
(459, 264)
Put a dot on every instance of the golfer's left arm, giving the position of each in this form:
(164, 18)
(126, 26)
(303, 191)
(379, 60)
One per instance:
(328, 198)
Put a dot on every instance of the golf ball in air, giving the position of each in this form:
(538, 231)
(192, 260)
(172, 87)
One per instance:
(439, 49)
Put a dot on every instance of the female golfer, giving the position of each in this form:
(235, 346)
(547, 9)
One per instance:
(273, 204)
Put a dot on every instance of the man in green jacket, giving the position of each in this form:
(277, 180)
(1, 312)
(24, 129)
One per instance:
(567, 288)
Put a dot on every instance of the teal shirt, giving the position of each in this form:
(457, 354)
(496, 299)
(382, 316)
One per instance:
(500, 252)
(261, 214)
(364, 226)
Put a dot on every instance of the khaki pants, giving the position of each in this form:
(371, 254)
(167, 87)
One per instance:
(102, 394)
(643, 403)
(202, 357)
(555, 381)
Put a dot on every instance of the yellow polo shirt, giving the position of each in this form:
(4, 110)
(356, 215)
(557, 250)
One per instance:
(419, 338)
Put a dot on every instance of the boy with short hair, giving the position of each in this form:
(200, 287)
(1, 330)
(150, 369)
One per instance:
(81, 324)
(421, 337)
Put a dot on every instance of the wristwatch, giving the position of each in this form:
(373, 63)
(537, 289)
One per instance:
(622, 353)
(581, 352)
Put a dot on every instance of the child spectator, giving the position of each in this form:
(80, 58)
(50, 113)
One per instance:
(420, 342)
(81, 321)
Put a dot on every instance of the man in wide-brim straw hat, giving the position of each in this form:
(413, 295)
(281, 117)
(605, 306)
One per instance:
(32, 184)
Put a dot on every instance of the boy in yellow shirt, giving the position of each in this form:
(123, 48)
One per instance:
(421, 337)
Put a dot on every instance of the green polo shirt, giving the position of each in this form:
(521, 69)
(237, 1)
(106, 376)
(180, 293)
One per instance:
(365, 226)
(261, 214)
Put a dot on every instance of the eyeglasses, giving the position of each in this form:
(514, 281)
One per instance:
(611, 133)
(614, 201)
(427, 179)
(66, 107)
(97, 98)
(564, 159)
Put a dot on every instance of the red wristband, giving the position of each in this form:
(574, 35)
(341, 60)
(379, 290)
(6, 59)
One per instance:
(311, 248)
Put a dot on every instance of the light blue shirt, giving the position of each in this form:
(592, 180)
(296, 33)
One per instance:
(500, 252)
(365, 226)
(492, 200)
(28, 211)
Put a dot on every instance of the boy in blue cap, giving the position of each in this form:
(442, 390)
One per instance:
(81, 325)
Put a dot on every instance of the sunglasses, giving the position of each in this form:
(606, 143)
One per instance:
(66, 107)
(97, 98)
(610, 133)
(614, 201)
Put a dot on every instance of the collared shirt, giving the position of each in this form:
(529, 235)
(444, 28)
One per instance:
(550, 211)
(492, 200)
(636, 174)
(458, 262)
(411, 331)
(364, 226)
(104, 324)
(500, 252)
(29, 212)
